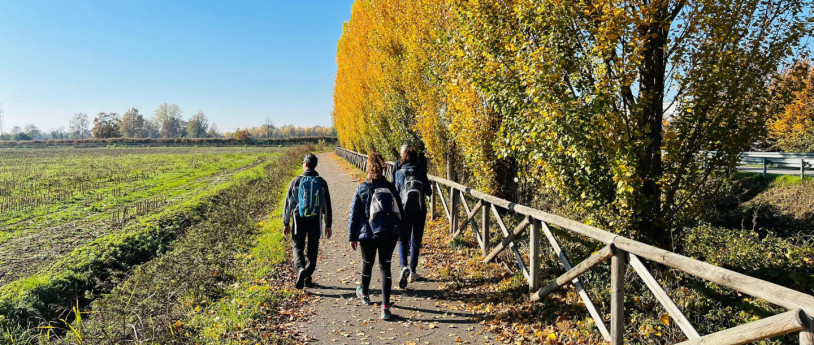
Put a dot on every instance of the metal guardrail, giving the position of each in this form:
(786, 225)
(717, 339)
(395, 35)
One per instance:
(621, 251)
(779, 159)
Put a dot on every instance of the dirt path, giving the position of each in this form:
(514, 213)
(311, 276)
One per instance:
(337, 316)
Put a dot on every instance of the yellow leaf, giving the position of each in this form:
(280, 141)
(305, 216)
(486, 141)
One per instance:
(665, 319)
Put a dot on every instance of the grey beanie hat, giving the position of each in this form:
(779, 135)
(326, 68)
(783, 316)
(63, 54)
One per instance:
(310, 160)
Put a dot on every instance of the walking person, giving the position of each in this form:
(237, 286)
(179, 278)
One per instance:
(397, 163)
(375, 213)
(308, 200)
(413, 186)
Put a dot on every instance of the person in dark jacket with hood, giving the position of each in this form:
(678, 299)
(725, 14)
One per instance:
(308, 200)
(413, 186)
(373, 225)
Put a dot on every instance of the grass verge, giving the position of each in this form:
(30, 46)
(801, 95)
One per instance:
(91, 268)
(224, 282)
(198, 251)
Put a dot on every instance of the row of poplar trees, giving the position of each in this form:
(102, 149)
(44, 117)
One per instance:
(626, 112)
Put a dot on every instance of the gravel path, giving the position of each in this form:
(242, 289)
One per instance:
(336, 316)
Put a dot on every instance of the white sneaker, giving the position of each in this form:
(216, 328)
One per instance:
(413, 277)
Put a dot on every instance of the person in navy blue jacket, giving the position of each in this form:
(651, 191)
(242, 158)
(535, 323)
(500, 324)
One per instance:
(361, 232)
(411, 178)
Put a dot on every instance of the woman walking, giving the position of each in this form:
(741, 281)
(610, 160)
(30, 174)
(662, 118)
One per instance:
(375, 213)
(413, 186)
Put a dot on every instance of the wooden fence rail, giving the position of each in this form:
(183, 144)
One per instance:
(622, 252)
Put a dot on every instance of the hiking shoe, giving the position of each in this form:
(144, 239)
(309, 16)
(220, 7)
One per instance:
(300, 278)
(414, 276)
(386, 315)
(405, 274)
(309, 283)
(365, 298)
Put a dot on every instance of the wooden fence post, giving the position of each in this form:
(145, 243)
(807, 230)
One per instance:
(453, 210)
(802, 169)
(807, 335)
(484, 228)
(432, 204)
(534, 255)
(617, 324)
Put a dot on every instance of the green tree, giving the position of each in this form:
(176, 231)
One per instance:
(58, 133)
(167, 118)
(107, 125)
(197, 126)
(133, 124)
(33, 132)
(614, 104)
(18, 134)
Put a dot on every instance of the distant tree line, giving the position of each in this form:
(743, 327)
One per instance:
(269, 131)
(167, 122)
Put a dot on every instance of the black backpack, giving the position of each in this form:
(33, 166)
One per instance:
(412, 195)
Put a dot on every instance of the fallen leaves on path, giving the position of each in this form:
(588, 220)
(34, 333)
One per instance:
(497, 295)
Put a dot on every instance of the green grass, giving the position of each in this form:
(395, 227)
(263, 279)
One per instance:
(189, 182)
(770, 179)
(252, 296)
(59, 185)
(211, 276)
(61, 199)
(70, 278)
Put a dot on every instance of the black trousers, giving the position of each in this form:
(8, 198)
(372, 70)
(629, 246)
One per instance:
(384, 246)
(307, 233)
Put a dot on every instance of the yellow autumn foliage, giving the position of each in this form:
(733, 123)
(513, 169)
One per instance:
(793, 127)
(608, 107)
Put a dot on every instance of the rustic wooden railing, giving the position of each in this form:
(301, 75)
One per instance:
(622, 252)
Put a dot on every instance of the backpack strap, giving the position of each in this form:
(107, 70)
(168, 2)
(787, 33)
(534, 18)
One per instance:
(370, 191)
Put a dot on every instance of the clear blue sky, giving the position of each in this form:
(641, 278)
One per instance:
(238, 61)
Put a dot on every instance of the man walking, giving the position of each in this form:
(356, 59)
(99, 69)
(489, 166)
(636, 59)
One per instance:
(307, 199)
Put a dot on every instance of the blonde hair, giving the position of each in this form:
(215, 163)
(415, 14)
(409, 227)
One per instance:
(375, 166)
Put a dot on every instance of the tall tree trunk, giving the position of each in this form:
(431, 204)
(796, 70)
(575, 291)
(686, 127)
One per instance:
(650, 221)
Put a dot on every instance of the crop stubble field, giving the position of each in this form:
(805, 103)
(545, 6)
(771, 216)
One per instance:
(54, 200)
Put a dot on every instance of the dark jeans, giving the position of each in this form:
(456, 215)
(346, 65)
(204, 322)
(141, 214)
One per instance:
(307, 229)
(385, 247)
(412, 232)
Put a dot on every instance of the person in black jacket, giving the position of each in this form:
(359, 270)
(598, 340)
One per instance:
(362, 231)
(308, 199)
(413, 186)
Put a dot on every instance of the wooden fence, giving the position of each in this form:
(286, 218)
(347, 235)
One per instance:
(621, 252)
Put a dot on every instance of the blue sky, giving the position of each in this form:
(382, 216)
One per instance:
(238, 61)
